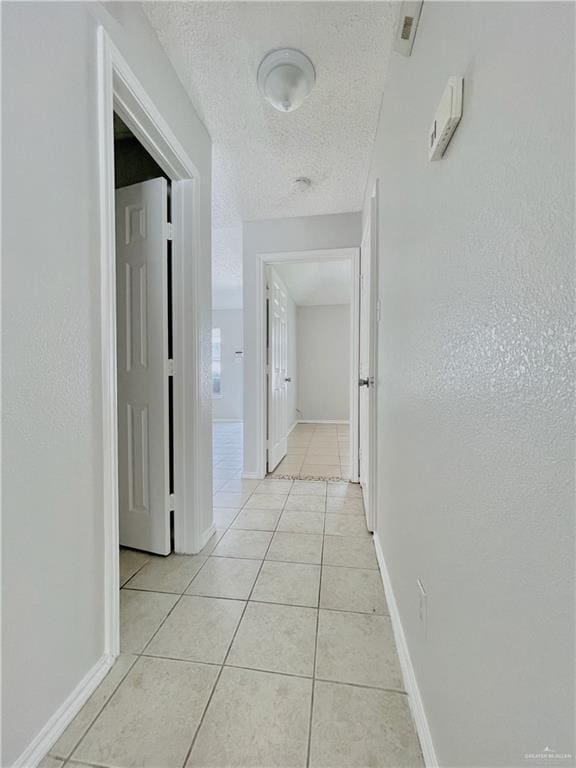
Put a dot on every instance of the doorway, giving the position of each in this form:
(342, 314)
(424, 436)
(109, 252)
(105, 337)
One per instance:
(121, 93)
(309, 403)
(144, 340)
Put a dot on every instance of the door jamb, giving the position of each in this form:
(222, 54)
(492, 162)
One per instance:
(263, 260)
(373, 293)
(119, 90)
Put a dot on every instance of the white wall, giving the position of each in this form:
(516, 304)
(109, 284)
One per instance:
(274, 236)
(53, 558)
(229, 406)
(323, 341)
(475, 382)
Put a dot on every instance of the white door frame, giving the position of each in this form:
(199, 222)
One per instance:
(374, 315)
(120, 91)
(330, 254)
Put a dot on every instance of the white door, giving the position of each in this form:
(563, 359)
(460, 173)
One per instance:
(277, 369)
(142, 341)
(366, 367)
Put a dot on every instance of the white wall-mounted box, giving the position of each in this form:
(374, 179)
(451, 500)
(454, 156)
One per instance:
(446, 118)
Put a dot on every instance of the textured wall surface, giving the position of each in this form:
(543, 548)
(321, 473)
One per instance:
(304, 233)
(323, 343)
(53, 559)
(216, 49)
(476, 376)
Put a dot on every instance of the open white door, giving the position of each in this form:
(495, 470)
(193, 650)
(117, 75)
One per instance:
(142, 340)
(277, 369)
(367, 366)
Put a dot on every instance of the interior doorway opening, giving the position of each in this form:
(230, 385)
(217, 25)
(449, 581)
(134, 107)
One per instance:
(144, 347)
(308, 364)
(121, 92)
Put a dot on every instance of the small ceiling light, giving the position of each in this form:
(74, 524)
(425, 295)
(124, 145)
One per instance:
(302, 183)
(285, 78)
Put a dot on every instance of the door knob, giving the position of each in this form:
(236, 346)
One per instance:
(363, 382)
(287, 378)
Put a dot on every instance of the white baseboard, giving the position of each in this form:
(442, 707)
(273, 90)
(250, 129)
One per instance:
(228, 421)
(321, 421)
(251, 476)
(64, 715)
(410, 682)
(208, 533)
(292, 427)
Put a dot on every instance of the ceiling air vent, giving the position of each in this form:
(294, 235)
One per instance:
(407, 25)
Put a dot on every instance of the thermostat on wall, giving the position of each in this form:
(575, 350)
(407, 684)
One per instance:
(446, 119)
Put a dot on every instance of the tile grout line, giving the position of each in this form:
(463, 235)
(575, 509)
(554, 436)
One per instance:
(310, 722)
(197, 731)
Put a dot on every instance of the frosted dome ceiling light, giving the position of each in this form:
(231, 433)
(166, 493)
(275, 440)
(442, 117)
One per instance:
(285, 78)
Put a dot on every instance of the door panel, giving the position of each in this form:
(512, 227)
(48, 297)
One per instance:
(277, 370)
(142, 354)
(364, 372)
(368, 365)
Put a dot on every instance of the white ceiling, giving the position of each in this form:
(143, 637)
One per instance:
(216, 48)
(317, 282)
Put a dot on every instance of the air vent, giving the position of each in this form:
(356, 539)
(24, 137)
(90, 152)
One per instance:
(407, 25)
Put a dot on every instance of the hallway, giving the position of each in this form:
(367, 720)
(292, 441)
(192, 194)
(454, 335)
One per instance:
(272, 647)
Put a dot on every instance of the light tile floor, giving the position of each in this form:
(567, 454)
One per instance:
(314, 451)
(317, 451)
(272, 647)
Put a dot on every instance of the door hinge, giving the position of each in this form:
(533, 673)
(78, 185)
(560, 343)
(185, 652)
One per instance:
(170, 367)
(168, 230)
(171, 502)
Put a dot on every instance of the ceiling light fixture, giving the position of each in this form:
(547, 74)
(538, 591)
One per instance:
(302, 183)
(285, 78)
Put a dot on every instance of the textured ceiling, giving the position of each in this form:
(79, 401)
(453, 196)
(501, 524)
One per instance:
(216, 48)
(317, 282)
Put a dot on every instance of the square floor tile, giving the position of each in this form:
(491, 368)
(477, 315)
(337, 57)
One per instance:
(276, 638)
(352, 589)
(300, 503)
(309, 487)
(231, 500)
(266, 501)
(344, 491)
(358, 727)
(256, 520)
(239, 485)
(225, 577)
(167, 574)
(223, 517)
(302, 522)
(255, 720)
(130, 563)
(321, 470)
(322, 457)
(346, 525)
(141, 613)
(198, 629)
(153, 716)
(84, 719)
(274, 486)
(357, 648)
(296, 548)
(344, 506)
(291, 583)
(208, 548)
(350, 552)
(50, 762)
(250, 544)
(288, 468)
